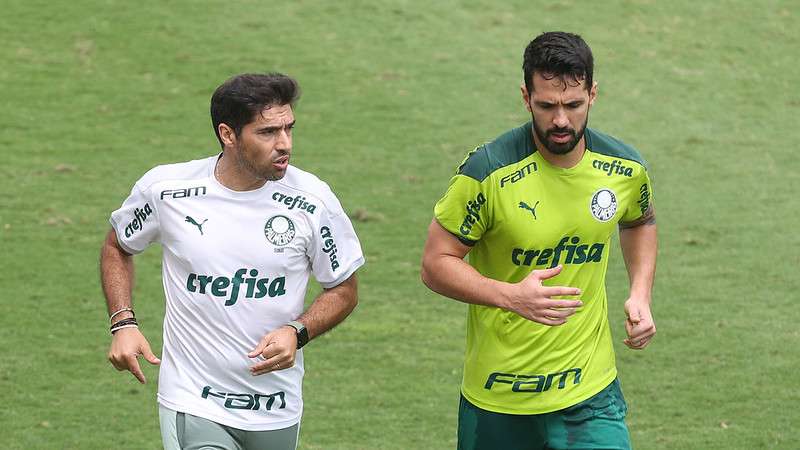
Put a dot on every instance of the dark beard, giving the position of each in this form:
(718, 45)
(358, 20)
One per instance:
(552, 147)
(247, 166)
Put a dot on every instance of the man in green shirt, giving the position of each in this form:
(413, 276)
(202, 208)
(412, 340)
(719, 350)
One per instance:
(535, 210)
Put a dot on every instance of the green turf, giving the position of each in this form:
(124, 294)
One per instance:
(94, 93)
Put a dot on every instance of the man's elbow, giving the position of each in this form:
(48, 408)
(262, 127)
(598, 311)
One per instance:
(351, 298)
(352, 303)
(427, 275)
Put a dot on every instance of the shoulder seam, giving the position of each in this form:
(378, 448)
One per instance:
(505, 150)
(203, 175)
(620, 150)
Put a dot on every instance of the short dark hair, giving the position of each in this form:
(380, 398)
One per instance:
(558, 54)
(237, 101)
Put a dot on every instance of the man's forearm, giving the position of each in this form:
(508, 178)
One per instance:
(639, 248)
(452, 277)
(116, 275)
(330, 307)
(445, 272)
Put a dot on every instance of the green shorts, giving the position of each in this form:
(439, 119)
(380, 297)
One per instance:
(595, 423)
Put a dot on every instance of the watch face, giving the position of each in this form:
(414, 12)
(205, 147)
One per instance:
(301, 331)
(279, 230)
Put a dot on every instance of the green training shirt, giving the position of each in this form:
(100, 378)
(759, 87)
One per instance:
(520, 213)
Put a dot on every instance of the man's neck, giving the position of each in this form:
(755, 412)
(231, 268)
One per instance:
(235, 177)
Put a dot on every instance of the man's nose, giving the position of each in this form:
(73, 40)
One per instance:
(284, 141)
(560, 119)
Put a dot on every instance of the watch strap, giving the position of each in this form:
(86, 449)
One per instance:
(301, 331)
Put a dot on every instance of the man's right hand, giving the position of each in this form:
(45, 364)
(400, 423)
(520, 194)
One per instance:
(532, 300)
(126, 346)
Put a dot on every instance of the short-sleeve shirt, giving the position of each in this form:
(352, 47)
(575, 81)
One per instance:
(235, 266)
(520, 213)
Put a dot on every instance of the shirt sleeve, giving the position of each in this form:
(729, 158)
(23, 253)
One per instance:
(136, 221)
(464, 209)
(335, 251)
(640, 207)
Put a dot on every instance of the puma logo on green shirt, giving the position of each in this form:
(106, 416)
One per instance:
(524, 205)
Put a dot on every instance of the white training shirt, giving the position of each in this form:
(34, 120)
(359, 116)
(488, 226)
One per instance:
(235, 266)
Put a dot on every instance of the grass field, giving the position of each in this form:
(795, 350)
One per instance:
(94, 93)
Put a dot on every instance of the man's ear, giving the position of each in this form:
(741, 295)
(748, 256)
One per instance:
(226, 135)
(526, 98)
(593, 93)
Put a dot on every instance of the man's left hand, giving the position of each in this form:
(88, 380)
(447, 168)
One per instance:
(639, 323)
(278, 347)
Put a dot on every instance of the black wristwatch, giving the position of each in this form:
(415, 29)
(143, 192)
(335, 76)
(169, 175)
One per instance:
(302, 333)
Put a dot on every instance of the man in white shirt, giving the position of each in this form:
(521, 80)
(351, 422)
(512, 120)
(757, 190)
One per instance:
(241, 233)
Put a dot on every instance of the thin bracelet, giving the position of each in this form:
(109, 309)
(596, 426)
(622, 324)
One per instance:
(124, 326)
(121, 311)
